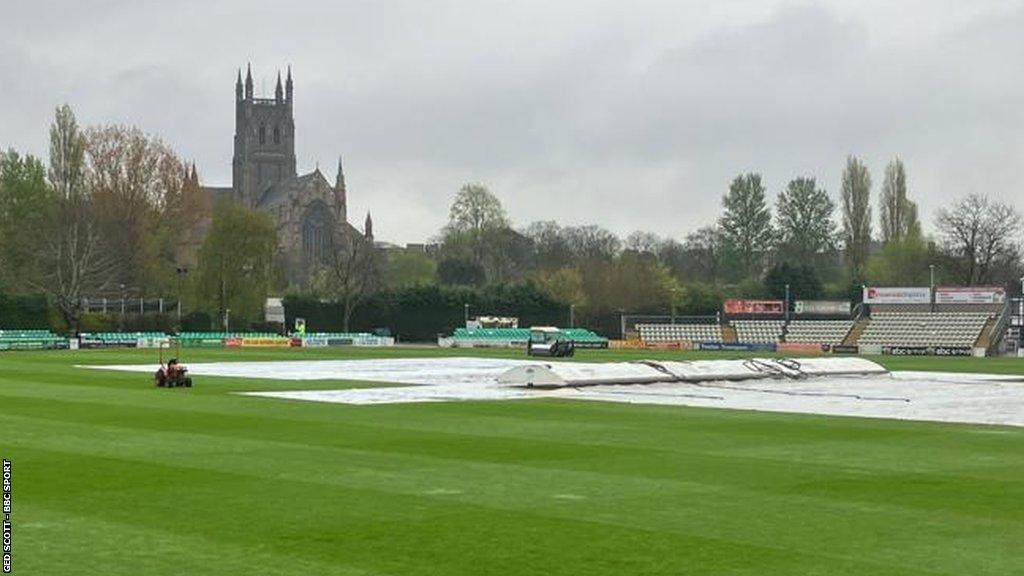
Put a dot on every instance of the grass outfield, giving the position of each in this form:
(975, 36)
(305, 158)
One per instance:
(112, 476)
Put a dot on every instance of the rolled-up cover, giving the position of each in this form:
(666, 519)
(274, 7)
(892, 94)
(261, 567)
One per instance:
(559, 374)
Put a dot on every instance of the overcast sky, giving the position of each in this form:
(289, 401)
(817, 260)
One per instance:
(632, 115)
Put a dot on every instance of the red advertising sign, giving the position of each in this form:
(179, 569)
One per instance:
(915, 295)
(802, 347)
(972, 295)
(754, 306)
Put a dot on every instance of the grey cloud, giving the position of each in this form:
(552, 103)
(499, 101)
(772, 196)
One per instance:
(634, 117)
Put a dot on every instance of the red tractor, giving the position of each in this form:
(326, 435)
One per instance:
(174, 375)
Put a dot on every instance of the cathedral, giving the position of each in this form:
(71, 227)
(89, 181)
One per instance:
(310, 212)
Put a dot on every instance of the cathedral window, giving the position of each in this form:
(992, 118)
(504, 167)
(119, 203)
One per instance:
(263, 134)
(317, 226)
(277, 135)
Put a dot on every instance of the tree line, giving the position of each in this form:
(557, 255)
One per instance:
(115, 211)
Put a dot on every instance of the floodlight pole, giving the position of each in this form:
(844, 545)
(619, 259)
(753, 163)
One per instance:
(931, 285)
(786, 308)
(465, 313)
(572, 315)
(673, 305)
(123, 296)
(181, 275)
(1020, 305)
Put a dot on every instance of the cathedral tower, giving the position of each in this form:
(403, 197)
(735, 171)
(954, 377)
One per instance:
(264, 139)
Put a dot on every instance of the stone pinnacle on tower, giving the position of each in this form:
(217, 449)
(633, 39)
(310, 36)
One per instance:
(248, 81)
(278, 92)
(288, 85)
(368, 227)
(238, 86)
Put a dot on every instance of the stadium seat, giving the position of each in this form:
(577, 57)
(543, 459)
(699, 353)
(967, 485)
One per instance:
(818, 331)
(658, 333)
(913, 329)
(758, 331)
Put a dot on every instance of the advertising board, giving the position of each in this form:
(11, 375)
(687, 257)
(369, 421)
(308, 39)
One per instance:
(844, 349)
(801, 347)
(904, 295)
(822, 307)
(972, 295)
(738, 347)
(733, 306)
(905, 350)
(953, 351)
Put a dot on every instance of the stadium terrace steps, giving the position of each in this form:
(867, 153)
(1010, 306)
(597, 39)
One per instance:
(31, 340)
(818, 331)
(853, 336)
(678, 332)
(759, 331)
(985, 338)
(952, 329)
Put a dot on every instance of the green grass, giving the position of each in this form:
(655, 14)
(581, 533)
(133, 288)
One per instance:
(112, 476)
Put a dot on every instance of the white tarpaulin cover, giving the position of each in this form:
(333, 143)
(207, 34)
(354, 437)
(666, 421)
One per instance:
(852, 389)
(579, 374)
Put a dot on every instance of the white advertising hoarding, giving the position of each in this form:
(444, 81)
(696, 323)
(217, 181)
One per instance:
(903, 295)
(824, 307)
(973, 295)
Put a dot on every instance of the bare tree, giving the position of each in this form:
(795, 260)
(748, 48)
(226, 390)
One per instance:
(979, 236)
(856, 196)
(591, 242)
(705, 247)
(351, 273)
(550, 245)
(136, 184)
(642, 242)
(75, 260)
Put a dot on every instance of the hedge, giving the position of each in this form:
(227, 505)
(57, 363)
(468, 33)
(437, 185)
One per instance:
(28, 312)
(420, 313)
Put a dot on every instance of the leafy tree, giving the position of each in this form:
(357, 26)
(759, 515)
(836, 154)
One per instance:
(902, 262)
(72, 256)
(453, 271)
(980, 238)
(699, 299)
(236, 263)
(804, 221)
(25, 203)
(632, 281)
(746, 223)
(802, 279)
(474, 215)
(563, 285)
(409, 268)
(897, 213)
(856, 196)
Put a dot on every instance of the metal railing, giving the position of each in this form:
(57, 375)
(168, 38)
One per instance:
(126, 306)
(999, 330)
